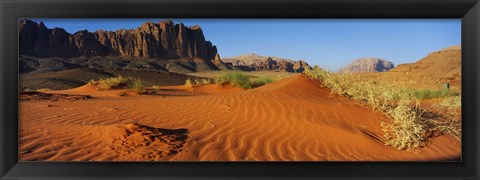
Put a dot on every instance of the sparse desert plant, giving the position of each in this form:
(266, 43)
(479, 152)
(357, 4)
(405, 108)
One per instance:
(262, 81)
(338, 83)
(118, 82)
(137, 86)
(43, 89)
(235, 79)
(206, 81)
(197, 82)
(451, 123)
(188, 83)
(452, 102)
(25, 89)
(406, 130)
(437, 93)
(111, 83)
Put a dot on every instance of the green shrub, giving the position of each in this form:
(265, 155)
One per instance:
(111, 83)
(235, 79)
(429, 94)
(262, 81)
(118, 82)
(137, 86)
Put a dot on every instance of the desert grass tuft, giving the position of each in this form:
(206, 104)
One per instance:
(235, 79)
(111, 83)
(451, 123)
(137, 86)
(406, 129)
(188, 83)
(118, 82)
(43, 89)
(197, 82)
(262, 81)
(437, 93)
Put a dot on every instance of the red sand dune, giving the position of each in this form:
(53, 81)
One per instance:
(294, 119)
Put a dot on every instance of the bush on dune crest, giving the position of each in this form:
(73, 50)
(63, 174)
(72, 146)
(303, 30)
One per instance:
(137, 86)
(241, 80)
(407, 130)
(235, 79)
(262, 81)
(118, 82)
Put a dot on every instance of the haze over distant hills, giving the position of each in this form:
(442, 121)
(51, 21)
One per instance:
(255, 62)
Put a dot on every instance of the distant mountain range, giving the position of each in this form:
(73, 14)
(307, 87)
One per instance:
(166, 49)
(254, 62)
(162, 46)
(368, 64)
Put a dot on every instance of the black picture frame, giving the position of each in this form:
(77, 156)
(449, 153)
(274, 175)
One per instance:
(467, 10)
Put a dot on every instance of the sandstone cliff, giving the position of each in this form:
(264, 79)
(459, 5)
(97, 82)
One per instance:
(163, 40)
(443, 66)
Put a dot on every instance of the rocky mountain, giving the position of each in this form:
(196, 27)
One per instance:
(164, 41)
(254, 62)
(368, 64)
(443, 66)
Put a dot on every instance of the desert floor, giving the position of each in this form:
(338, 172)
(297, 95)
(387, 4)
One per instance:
(294, 119)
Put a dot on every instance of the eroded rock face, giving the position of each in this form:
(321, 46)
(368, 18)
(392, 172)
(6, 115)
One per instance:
(164, 40)
(368, 65)
(254, 62)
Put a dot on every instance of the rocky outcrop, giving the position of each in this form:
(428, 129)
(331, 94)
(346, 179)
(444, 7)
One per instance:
(368, 65)
(254, 62)
(437, 68)
(163, 40)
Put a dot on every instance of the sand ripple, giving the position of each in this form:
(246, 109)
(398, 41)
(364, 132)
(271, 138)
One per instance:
(294, 119)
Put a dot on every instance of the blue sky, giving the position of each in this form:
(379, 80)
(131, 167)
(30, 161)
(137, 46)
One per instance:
(330, 43)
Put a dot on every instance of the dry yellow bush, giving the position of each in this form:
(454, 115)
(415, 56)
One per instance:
(405, 130)
(112, 82)
(188, 83)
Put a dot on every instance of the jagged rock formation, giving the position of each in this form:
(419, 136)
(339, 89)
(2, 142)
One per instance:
(163, 40)
(254, 62)
(368, 65)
